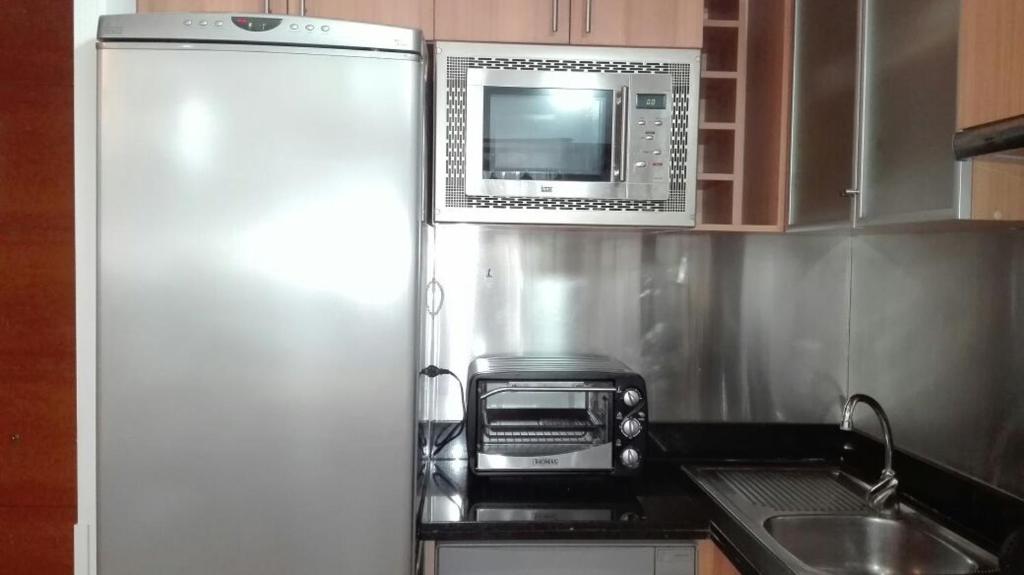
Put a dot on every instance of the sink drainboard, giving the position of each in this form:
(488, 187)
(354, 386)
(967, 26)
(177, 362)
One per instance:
(799, 491)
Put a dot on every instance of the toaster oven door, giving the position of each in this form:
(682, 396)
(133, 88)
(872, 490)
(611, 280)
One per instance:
(544, 426)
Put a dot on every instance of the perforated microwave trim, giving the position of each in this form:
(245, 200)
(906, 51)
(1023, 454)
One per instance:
(451, 202)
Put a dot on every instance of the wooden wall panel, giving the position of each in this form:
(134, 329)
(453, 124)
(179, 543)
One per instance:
(37, 321)
(998, 190)
(991, 71)
(769, 93)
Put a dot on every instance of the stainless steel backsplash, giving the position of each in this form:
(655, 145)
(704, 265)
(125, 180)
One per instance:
(758, 328)
(936, 336)
(733, 328)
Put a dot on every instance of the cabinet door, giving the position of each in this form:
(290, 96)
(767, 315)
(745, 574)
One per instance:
(406, 13)
(991, 61)
(824, 96)
(908, 172)
(243, 6)
(528, 21)
(649, 23)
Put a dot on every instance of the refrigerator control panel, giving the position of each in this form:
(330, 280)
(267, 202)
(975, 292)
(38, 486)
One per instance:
(255, 24)
(257, 29)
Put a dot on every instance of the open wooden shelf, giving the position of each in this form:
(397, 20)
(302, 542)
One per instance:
(718, 100)
(716, 177)
(722, 9)
(721, 48)
(743, 146)
(716, 152)
(713, 74)
(718, 126)
(714, 202)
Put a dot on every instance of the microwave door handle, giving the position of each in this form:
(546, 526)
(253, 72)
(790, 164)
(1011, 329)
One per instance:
(544, 389)
(624, 135)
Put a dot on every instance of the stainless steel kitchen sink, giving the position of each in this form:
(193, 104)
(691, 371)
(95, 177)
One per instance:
(815, 520)
(866, 545)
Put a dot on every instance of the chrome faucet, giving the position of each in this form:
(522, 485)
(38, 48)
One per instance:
(882, 495)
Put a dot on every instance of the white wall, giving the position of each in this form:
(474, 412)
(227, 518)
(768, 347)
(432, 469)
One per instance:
(87, 13)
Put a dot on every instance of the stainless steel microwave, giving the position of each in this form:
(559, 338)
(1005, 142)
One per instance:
(564, 134)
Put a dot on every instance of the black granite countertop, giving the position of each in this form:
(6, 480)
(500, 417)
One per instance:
(664, 503)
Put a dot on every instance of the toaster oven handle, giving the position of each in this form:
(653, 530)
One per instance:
(543, 389)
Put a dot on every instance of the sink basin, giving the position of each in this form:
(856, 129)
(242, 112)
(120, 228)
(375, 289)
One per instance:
(867, 545)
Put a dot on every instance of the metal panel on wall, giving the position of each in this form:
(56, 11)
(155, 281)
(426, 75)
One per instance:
(935, 336)
(723, 328)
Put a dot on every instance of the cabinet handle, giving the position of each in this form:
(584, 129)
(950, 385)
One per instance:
(266, 7)
(554, 16)
(858, 108)
(590, 15)
(302, 7)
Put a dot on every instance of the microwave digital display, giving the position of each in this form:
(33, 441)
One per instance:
(650, 101)
(547, 134)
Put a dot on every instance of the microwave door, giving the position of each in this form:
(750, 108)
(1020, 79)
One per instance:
(587, 135)
(547, 134)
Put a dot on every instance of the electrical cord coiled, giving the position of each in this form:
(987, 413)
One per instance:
(432, 371)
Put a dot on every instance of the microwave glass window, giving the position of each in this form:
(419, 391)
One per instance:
(547, 134)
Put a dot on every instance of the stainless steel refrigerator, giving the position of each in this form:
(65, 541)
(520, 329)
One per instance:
(259, 193)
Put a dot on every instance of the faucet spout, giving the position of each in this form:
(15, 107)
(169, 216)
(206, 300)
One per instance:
(882, 495)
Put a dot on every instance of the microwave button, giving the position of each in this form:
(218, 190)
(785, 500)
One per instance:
(656, 152)
(630, 458)
(649, 136)
(641, 123)
(631, 397)
(641, 164)
(657, 122)
(630, 427)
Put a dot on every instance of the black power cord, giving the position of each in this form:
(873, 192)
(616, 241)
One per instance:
(432, 371)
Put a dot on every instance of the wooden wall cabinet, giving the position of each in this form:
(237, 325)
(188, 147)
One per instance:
(526, 21)
(244, 6)
(404, 13)
(641, 23)
(991, 70)
(636, 23)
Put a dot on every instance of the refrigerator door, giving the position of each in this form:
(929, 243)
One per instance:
(258, 216)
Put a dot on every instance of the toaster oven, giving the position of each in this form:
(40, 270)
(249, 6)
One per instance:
(566, 414)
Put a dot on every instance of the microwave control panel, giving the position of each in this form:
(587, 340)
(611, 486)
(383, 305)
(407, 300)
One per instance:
(648, 125)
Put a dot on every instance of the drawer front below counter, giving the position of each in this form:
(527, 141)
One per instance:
(564, 559)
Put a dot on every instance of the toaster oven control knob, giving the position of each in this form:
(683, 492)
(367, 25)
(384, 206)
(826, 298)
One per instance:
(630, 458)
(631, 397)
(630, 427)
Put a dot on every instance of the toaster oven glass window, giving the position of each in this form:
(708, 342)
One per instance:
(526, 419)
(547, 134)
